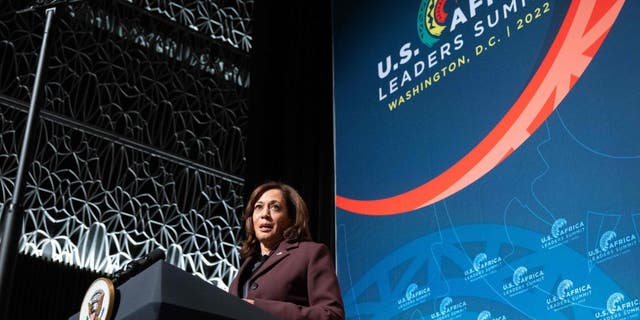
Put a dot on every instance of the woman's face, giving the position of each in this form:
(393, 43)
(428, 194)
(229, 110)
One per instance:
(270, 218)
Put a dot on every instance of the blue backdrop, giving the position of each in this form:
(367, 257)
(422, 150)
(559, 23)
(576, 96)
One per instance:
(487, 159)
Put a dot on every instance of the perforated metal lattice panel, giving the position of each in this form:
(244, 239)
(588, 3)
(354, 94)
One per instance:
(142, 133)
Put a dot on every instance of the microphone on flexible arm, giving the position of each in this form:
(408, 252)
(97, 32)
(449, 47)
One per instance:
(137, 266)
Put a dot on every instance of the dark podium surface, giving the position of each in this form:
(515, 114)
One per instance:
(164, 291)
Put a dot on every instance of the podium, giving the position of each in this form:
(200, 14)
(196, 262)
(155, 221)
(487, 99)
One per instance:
(164, 291)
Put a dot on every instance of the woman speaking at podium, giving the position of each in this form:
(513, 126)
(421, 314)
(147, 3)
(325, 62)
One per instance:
(283, 271)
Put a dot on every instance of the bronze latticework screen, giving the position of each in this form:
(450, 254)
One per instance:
(141, 135)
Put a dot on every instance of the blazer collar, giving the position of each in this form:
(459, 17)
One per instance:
(281, 252)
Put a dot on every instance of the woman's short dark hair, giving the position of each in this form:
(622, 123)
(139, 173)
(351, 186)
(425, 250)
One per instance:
(297, 212)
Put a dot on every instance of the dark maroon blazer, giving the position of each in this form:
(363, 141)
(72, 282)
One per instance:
(298, 281)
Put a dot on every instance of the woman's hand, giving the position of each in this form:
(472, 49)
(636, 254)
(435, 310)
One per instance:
(248, 300)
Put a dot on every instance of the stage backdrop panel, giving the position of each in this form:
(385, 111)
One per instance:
(487, 158)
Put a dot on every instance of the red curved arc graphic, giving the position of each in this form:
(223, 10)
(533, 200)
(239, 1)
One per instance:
(440, 14)
(581, 34)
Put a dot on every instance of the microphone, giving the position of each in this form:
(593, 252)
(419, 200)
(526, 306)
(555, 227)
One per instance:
(137, 266)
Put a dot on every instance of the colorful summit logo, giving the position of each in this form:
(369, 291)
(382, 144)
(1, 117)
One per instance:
(431, 19)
